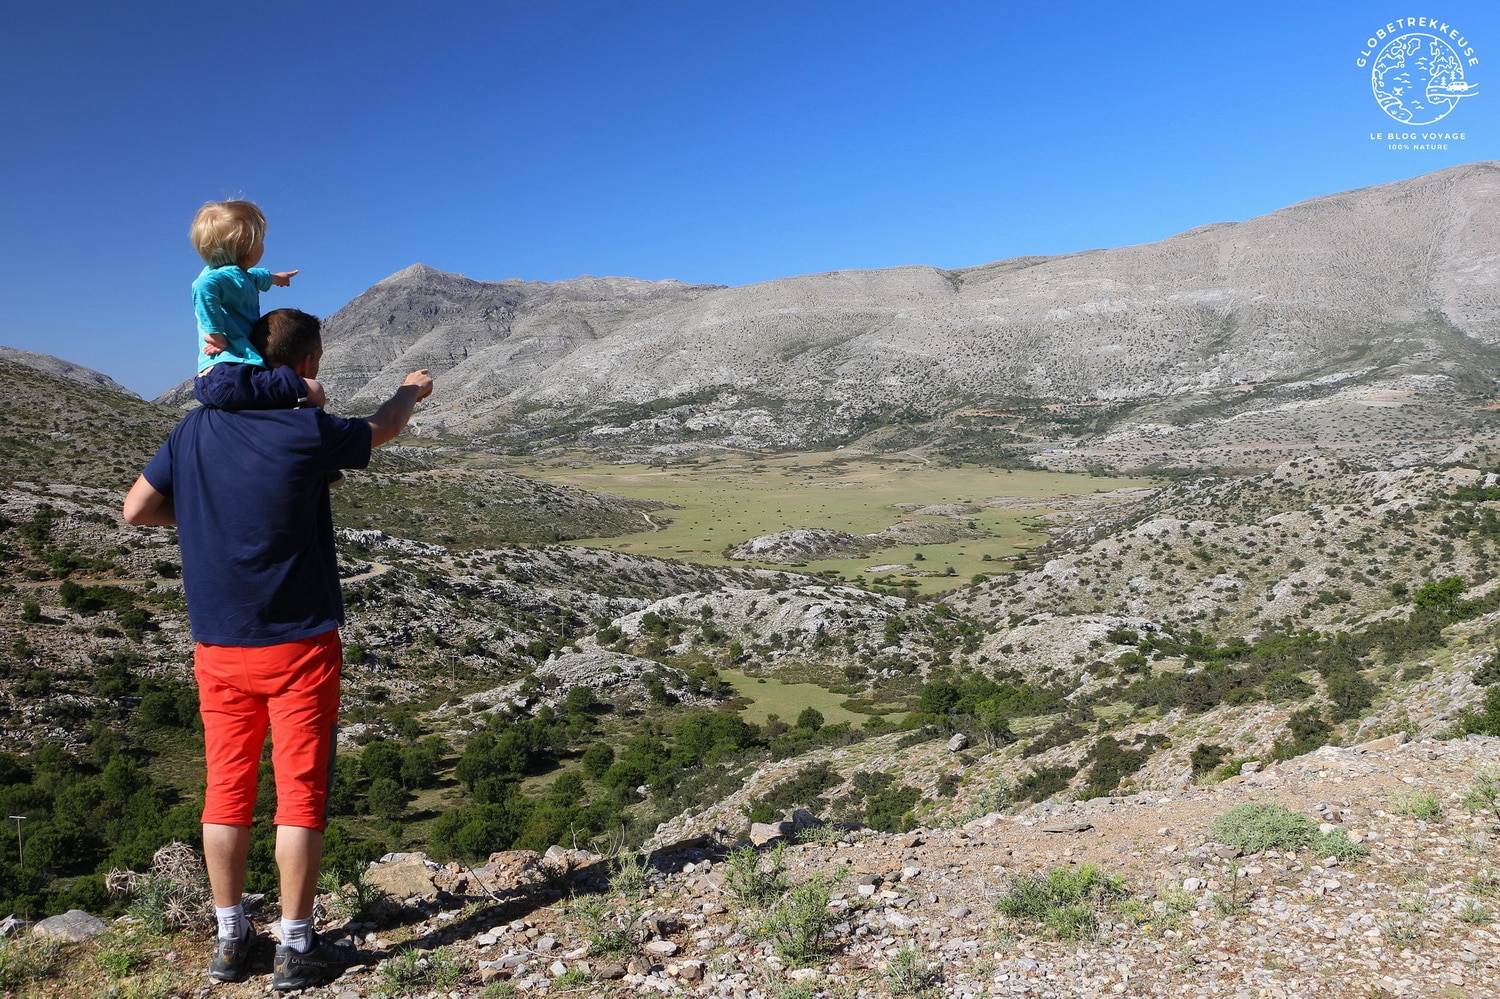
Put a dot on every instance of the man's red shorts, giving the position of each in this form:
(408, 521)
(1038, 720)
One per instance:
(294, 689)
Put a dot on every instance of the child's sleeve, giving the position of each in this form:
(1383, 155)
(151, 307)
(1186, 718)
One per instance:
(261, 276)
(209, 308)
(249, 386)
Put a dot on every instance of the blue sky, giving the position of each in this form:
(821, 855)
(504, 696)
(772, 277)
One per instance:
(726, 142)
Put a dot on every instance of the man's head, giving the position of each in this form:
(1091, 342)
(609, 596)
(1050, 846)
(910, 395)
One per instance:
(228, 232)
(289, 338)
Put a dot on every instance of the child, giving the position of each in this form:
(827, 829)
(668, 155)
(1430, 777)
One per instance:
(230, 237)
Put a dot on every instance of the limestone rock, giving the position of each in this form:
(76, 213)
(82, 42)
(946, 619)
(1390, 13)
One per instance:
(72, 926)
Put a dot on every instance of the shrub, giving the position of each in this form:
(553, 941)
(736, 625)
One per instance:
(1337, 844)
(1044, 782)
(751, 882)
(173, 895)
(608, 931)
(1484, 795)
(573, 978)
(355, 896)
(597, 759)
(804, 790)
(1257, 827)
(414, 971)
(907, 973)
(798, 924)
(387, 798)
(28, 959)
(1419, 805)
(1206, 756)
(1066, 901)
(631, 876)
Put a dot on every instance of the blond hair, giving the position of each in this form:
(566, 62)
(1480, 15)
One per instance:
(224, 232)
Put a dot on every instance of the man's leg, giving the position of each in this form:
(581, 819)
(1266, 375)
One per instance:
(304, 722)
(225, 851)
(299, 852)
(304, 726)
(234, 730)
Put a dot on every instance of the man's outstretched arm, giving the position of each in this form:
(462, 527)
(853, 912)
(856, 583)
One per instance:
(391, 418)
(144, 505)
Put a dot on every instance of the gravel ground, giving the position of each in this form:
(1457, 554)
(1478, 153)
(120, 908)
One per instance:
(1415, 917)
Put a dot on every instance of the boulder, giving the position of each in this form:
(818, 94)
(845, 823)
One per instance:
(73, 926)
(762, 833)
(405, 875)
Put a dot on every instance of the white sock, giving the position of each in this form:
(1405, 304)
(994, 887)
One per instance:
(231, 921)
(296, 934)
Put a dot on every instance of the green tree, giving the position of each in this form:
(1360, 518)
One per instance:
(387, 798)
(597, 759)
(1440, 594)
(810, 718)
(382, 760)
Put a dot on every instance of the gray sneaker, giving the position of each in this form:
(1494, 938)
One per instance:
(231, 960)
(323, 962)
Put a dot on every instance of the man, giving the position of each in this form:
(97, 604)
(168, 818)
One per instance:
(247, 491)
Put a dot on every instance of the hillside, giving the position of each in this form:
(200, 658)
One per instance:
(1362, 322)
(1399, 901)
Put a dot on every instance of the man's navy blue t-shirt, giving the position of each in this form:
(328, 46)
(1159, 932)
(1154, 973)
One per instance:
(250, 490)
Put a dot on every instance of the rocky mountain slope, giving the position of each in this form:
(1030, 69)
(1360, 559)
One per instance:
(56, 366)
(1362, 321)
(1405, 909)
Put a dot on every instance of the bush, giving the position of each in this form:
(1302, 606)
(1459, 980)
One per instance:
(173, 895)
(907, 973)
(888, 806)
(416, 971)
(1066, 901)
(387, 798)
(753, 883)
(1206, 756)
(28, 959)
(1337, 844)
(631, 876)
(355, 896)
(597, 759)
(799, 923)
(1256, 828)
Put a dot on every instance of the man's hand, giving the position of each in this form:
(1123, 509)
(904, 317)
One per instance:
(390, 419)
(314, 393)
(283, 279)
(215, 343)
(422, 380)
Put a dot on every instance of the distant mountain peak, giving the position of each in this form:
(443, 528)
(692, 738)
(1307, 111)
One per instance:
(64, 369)
(1355, 292)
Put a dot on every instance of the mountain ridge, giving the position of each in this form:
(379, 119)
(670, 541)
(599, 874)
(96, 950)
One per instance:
(1362, 288)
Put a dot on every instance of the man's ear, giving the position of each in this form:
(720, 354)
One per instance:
(307, 365)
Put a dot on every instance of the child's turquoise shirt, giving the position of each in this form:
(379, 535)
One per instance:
(227, 300)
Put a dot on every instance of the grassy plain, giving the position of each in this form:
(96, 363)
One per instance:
(720, 502)
(786, 700)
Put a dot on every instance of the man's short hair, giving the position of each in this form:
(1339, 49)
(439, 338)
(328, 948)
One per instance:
(285, 336)
(224, 232)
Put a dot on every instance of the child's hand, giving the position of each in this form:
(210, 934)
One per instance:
(314, 395)
(284, 278)
(215, 343)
